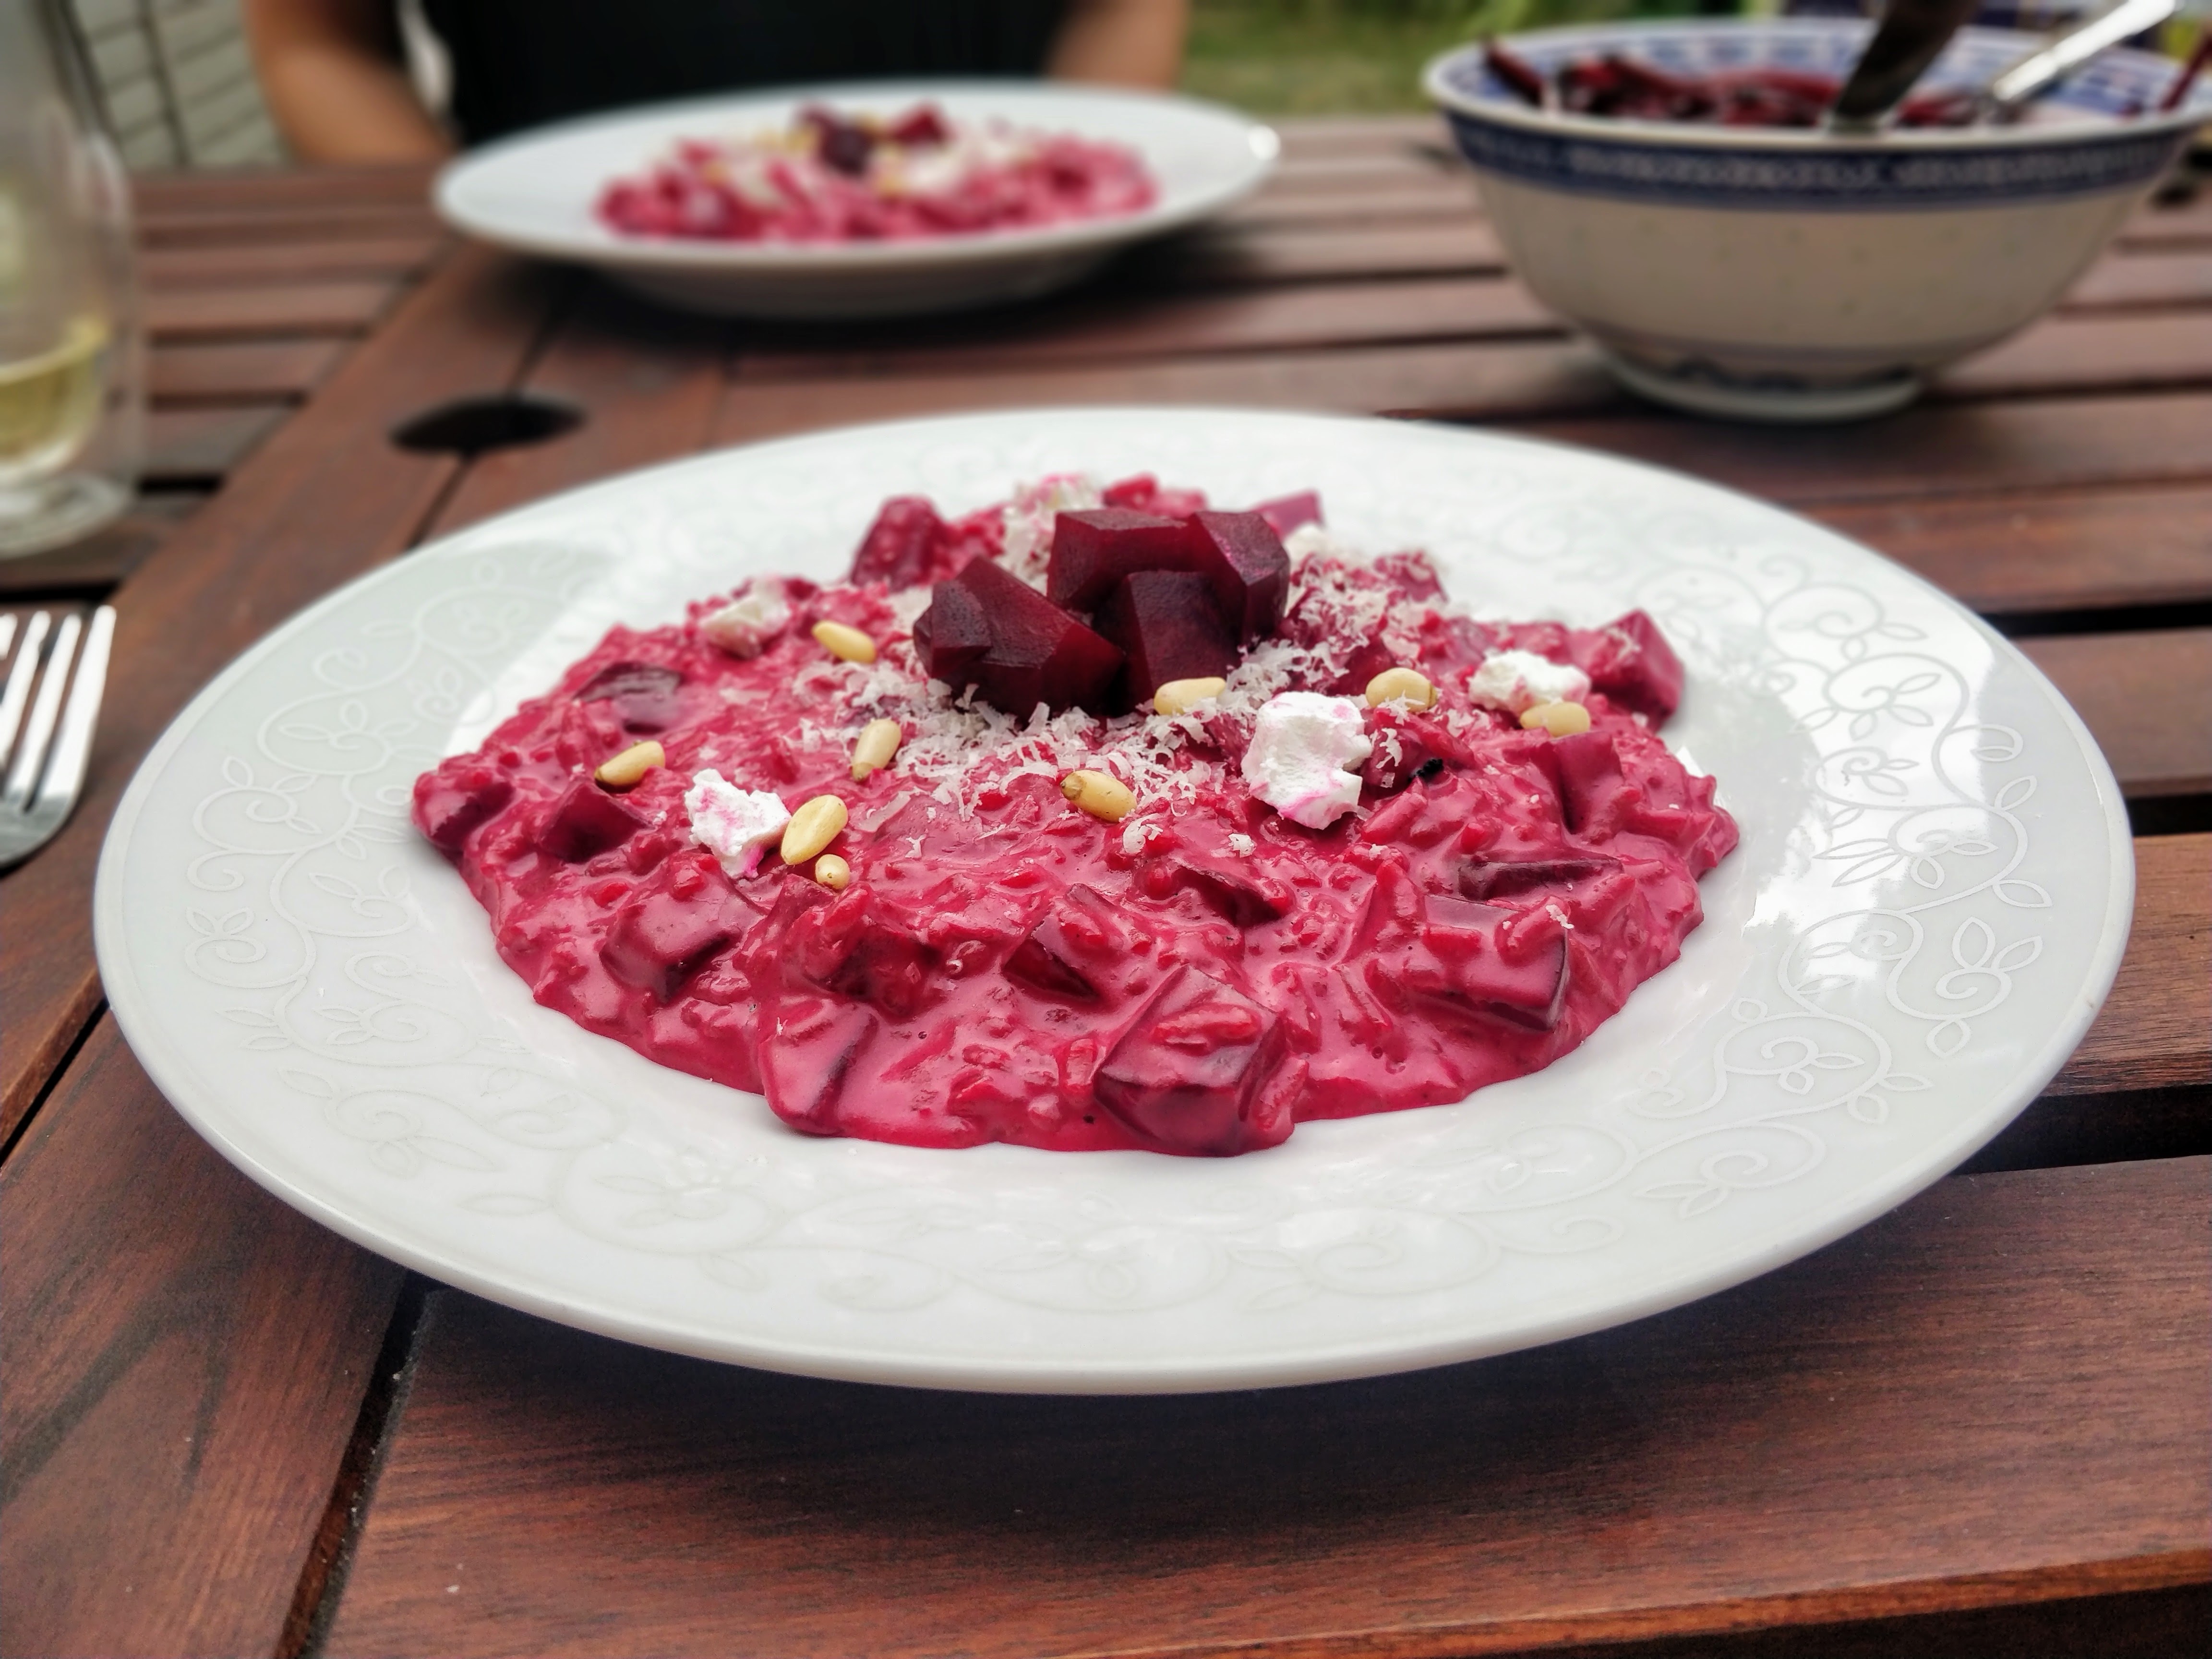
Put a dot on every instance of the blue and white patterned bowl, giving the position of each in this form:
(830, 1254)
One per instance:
(1786, 274)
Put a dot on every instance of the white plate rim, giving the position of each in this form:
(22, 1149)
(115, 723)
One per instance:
(176, 1075)
(1261, 144)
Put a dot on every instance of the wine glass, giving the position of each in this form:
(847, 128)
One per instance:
(71, 356)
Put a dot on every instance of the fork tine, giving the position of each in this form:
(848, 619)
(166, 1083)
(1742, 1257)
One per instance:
(65, 773)
(20, 676)
(7, 634)
(30, 752)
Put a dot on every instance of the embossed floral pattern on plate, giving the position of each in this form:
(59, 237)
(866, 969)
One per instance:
(1929, 902)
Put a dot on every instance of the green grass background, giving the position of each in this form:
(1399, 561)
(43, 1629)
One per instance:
(1335, 57)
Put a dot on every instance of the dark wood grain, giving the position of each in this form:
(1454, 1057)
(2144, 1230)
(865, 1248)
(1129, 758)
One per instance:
(186, 1356)
(2155, 1030)
(1213, 258)
(2148, 278)
(2118, 682)
(2171, 225)
(260, 263)
(281, 190)
(324, 499)
(2026, 553)
(1927, 451)
(338, 222)
(201, 445)
(1993, 1395)
(233, 370)
(256, 311)
(647, 383)
(1100, 325)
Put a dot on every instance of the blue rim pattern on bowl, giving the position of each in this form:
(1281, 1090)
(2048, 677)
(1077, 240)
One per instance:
(1762, 168)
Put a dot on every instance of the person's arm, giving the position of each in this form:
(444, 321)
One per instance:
(330, 70)
(1126, 42)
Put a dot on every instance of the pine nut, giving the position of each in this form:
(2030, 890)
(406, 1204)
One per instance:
(1180, 697)
(1561, 719)
(1394, 683)
(621, 771)
(812, 827)
(839, 641)
(878, 742)
(1100, 796)
(832, 871)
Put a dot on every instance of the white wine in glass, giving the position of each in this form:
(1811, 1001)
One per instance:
(70, 381)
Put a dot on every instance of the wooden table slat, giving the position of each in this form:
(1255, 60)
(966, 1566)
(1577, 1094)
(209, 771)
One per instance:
(186, 1357)
(2152, 1031)
(2111, 679)
(2020, 553)
(1993, 1394)
(234, 369)
(257, 264)
(346, 306)
(319, 503)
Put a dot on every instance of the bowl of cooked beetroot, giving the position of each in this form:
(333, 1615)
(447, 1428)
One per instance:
(1671, 189)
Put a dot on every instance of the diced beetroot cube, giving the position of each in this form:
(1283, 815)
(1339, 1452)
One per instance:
(1188, 1075)
(1164, 623)
(1039, 654)
(1091, 551)
(854, 946)
(1632, 663)
(841, 144)
(808, 1046)
(1247, 900)
(642, 694)
(1288, 512)
(923, 124)
(1502, 878)
(455, 797)
(952, 635)
(1143, 494)
(1244, 558)
(656, 941)
(1457, 959)
(1071, 951)
(587, 820)
(898, 546)
(1590, 783)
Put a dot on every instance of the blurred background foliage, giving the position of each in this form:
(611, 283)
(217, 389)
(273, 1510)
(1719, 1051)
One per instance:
(1333, 56)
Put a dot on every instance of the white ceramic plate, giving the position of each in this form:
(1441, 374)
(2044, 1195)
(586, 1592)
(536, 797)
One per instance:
(1929, 902)
(534, 194)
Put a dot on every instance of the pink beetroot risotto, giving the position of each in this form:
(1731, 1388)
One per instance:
(837, 178)
(1094, 820)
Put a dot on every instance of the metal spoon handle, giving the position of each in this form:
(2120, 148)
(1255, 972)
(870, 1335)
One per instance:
(2053, 61)
(1912, 34)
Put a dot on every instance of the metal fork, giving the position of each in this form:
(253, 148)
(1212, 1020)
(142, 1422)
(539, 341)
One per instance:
(45, 754)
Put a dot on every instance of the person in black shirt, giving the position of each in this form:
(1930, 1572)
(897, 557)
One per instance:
(332, 73)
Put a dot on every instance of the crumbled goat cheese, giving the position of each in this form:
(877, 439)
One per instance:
(1517, 680)
(735, 825)
(1241, 845)
(745, 625)
(1302, 741)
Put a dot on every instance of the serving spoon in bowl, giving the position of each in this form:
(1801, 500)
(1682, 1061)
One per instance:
(1913, 33)
(1911, 36)
(2057, 58)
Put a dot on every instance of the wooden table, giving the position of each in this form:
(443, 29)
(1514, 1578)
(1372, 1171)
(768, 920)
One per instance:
(1980, 1424)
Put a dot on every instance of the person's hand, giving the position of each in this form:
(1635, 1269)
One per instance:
(330, 70)
(1128, 43)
